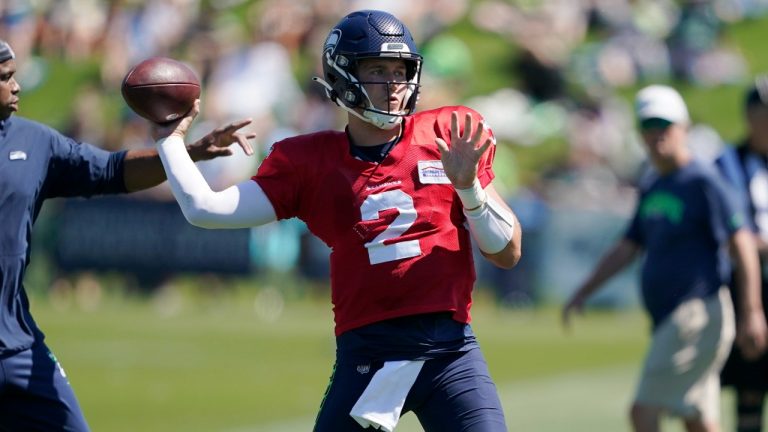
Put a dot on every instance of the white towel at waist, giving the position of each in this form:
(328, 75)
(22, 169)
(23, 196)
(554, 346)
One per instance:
(382, 402)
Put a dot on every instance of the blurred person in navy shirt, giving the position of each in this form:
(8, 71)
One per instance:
(36, 163)
(685, 223)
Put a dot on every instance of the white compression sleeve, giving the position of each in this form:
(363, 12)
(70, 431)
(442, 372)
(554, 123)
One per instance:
(240, 206)
(490, 223)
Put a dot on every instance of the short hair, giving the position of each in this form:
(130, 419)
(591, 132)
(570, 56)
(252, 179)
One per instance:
(758, 93)
(6, 53)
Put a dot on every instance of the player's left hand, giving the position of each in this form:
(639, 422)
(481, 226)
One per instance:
(751, 335)
(461, 158)
(215, 144)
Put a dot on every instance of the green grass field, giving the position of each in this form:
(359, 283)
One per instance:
(214, 363)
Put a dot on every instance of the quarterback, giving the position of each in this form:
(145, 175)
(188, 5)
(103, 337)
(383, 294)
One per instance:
(398, 196)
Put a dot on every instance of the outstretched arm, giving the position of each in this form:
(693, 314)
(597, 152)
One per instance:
(492, 223)
(622, 253)
(751, 330)
(142, 168)
(239, 206)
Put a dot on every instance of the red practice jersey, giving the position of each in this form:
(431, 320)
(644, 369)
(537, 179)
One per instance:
(396, 228)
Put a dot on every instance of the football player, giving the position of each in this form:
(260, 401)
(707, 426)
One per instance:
(37, 163)
(398, 196)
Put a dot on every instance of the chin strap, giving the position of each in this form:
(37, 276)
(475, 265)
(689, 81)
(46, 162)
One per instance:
(380, 120)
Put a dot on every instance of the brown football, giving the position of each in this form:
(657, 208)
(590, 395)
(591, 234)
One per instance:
(161, 89)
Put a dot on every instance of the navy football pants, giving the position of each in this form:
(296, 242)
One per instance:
(35, 395)
(451, 394)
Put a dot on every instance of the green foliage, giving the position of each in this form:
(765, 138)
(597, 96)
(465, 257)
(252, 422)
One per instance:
(719, 107)
(51, 102)
(492, 59)
(749, 38)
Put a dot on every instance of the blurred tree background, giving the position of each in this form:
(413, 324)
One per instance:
(554, 78)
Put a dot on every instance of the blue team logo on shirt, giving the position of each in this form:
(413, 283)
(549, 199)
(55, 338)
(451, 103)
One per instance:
(662, 204)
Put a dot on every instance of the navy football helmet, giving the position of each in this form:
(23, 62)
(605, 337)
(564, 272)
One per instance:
(368, 34)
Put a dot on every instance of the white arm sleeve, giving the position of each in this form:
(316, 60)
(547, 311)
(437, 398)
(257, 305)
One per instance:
(491, 225)
(240, 206)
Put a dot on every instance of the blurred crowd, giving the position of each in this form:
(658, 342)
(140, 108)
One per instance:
(567, 61)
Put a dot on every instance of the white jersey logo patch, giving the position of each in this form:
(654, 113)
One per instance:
(17, 155)
(432, 172)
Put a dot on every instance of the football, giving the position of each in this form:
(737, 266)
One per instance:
(160, 89)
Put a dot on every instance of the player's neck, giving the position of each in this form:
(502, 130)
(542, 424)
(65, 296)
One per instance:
(364, 134)
(758, 144)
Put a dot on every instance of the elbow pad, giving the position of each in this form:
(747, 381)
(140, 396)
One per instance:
(491, 225)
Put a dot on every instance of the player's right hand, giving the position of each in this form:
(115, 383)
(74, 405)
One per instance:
(751, 335)
(574, 305)
(177, 127)
(214, 144)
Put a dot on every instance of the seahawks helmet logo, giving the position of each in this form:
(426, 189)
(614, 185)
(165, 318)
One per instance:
(332, 40)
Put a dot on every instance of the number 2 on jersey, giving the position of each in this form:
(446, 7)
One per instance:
(378, 252)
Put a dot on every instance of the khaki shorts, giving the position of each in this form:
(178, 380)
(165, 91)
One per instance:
(681, 373)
